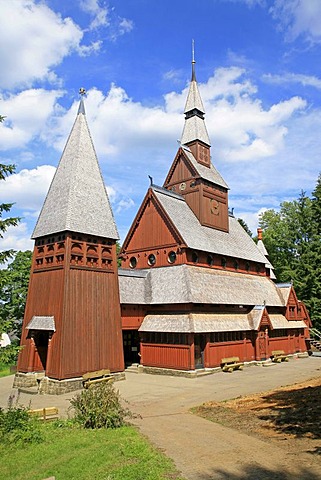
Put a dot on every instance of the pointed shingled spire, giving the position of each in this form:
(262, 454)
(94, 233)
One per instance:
(77, 200)
(194, 128)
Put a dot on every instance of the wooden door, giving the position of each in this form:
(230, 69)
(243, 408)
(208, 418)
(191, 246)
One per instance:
(262, 345)
(131, 345)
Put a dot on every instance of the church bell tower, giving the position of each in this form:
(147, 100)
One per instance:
(72, 322)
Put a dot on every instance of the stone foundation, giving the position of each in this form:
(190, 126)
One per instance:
(27, 380)
(51, 386)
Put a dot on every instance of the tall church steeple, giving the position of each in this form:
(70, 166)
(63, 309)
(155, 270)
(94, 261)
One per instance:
(72, 321)
(195, 134)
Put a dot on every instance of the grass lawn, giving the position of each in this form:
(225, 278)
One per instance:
(74, 453)
(4, 370)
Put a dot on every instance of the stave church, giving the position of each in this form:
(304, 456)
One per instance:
(193, 288)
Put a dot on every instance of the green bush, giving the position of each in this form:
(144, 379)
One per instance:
(16, 426)
(99, 407)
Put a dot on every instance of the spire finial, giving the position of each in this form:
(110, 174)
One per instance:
(82, 93)
(193, 61)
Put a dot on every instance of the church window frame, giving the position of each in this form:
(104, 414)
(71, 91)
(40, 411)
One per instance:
(172, 257)
(133, 262)
(151, 260)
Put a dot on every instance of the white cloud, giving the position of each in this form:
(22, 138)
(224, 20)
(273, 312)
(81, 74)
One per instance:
(119, 125)
(125, 26)
(99, 13)
(27, 188)
(34, 39)
(26, 114)
(86, 50)
(250, 3)
(125, 204)
(17, 238)
(286, 78)
(299, 17)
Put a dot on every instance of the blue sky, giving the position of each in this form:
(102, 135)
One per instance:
(258, 69)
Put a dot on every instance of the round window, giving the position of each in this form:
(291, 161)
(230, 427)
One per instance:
(194, 257)
(171, 257)
(151, 259)
(133, 262)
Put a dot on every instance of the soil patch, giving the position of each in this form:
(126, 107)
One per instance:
(290, 416)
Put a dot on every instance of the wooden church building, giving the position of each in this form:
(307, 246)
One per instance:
(193, 287)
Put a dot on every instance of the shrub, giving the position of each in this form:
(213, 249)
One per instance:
(16, 426)
(99, 407)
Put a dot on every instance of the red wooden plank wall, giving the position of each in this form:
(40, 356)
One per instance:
(166, 356)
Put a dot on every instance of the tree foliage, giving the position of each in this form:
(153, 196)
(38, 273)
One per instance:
(5, 223)
(14, 282)
(245, 226)
(6, 170)
(292, 237)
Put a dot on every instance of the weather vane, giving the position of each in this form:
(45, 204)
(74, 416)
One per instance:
(193, 51)
(82, 91)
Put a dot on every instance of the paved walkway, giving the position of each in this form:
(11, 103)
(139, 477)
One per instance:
(203, 450)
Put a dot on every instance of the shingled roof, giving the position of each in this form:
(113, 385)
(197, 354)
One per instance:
(77, 200)
(236, 243)
(207, 173)
(209, 322)
(191, 284)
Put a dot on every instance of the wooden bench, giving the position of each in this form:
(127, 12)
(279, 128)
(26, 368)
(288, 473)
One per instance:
(279, 356)
(230, 364)
(47, 413)
(92, 378)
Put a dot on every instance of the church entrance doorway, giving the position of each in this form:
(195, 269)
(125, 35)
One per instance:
(199, 347)
(41, 339)
(131, 346)
(262, 345)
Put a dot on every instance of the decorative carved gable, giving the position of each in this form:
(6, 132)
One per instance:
(265, 321)
(151, 228)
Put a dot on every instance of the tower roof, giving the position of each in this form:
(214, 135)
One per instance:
(77, 199)
(194, 128)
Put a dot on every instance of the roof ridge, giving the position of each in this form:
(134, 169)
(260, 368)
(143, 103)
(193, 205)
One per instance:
(169, 193)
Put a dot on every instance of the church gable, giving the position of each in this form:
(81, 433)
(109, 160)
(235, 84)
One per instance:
(292, 306)
(265, 320)
(151, 229)
(180, 170)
